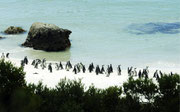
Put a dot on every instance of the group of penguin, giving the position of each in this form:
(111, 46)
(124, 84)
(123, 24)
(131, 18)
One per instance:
(145, 73)
(5, 55)
(133, 72)
(77, 68)
(81, 67)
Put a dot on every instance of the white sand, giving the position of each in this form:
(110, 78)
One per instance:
(99, 81)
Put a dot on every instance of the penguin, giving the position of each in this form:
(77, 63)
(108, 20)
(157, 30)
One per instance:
(171, 74)
(38, 61)
(33, 62)
(36, 65)
(66, 66)
(111, 68)
(146, 76)
(7, 55)
(69, 64)
(97, 70)
(43, 65)
(139, 74)
(2, 56)
(119, 69)
(147, 70)
(143, 73)
(90, 68)
(83, 68)
(160, 73)
(22, 63)
(155, 74)
(61, 66)
(44, 60)
(50, 68)
(81, 65)
(108, 71)
(157, 77)
(57, 66)
(75, 70)
(78, 68)
(25, 60)
(135, 72)
(102, 69)
(130, 71)
(92, 65)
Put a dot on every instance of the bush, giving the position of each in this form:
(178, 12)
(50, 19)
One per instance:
(11, 81)
(142, 89)
(140, 95)
(168, 98)
(111, 97)
(93, 100)
(14, 93)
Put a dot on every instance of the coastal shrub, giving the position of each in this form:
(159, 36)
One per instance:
(11, 77)
(142, 89)
(71, 90)
(14, 94)
(93, 100)
(70, 94)
(71, 106)
(111, 97)
(169, 89)
(47, 97)
(11, 80)
(128, 104)
(136, 95)
(67, 95)
(23, 101)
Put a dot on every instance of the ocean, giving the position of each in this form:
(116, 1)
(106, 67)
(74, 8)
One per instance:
(135, 33)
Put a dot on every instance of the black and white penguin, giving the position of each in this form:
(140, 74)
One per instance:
(50, 67)
(119, 69)
(102, 69)
(25, 60)
(7, 55)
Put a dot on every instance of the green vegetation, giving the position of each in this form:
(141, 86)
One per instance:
(136, 95)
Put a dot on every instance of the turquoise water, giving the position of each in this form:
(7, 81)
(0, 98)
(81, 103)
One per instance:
(126, 32)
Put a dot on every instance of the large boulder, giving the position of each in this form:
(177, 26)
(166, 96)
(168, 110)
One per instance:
(47, 37)
(14, 30)
(2, 37)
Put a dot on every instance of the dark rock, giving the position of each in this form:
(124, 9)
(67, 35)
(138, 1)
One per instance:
(2, 37)
(14, 30)
(47, 37)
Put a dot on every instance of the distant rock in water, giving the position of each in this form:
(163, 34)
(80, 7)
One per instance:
(47, 37)
(2, 37)
(153, 28)
(14, 30)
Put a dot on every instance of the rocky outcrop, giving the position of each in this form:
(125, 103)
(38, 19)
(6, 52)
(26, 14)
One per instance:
(47, 37)
(14, 30)
(2, 37)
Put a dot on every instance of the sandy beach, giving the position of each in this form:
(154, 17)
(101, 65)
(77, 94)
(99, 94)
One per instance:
(34, 75)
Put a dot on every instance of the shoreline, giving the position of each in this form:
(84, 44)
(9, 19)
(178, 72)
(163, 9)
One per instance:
(34, 75)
